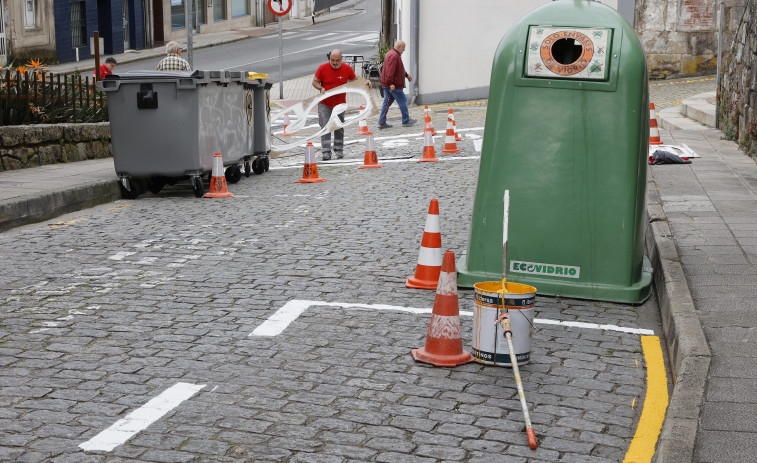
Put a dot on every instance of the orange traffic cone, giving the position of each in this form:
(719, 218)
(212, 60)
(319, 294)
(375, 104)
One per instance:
(371, 160)
(429, 155)
(430, 256)
(450, 146)
(427, 113)
(218, 180)
(444, 343)
(310, 169)
(286, 125)
(654, 132)
(363, 126)
(454, 125)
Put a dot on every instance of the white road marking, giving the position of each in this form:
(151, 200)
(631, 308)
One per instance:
(276, 36)
(125, 428)
(319, 36)
(595, 326)
(290, 311)
(320, 47)
(372, 37)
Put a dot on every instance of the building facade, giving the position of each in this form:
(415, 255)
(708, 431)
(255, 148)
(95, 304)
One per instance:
(206, 16)
(27, 30)
(120, 23)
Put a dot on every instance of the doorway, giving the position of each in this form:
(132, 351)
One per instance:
(3, 52)
(157, 23)
(126, 25)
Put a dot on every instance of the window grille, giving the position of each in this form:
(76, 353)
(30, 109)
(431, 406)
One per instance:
(78, 24)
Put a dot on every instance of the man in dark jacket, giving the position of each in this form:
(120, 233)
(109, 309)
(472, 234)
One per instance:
(393, 81)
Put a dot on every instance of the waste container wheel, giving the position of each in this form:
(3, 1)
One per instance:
(267, 162)
(197, 187)
(155, 184)
(132, 192)
(233, 174)
(258, 166)
(247, 168)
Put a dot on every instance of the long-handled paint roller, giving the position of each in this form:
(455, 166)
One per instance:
(504, 320)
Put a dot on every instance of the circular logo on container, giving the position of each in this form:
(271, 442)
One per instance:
(566, 52)
(248, 107)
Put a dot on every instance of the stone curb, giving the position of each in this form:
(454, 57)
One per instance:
(687, 346)
(32, 209)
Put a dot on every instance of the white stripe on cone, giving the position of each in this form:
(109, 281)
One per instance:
(430, 257)
(444, 327)
(432, 224)
(447, 284)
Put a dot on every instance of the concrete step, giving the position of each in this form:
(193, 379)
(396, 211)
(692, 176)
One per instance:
(695, 113)
(700, 108)
(672, 119)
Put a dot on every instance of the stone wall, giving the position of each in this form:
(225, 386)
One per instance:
(36, 145)
(737, 93)
(680, 37)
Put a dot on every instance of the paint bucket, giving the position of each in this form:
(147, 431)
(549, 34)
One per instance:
(489, 345)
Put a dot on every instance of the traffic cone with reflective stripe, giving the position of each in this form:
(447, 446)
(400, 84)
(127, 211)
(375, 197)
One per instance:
(218, 180)
(371, 160)
(450, 146)
(363, 126)
(654, 132)
(454, 125)
(429, 155)
(427, 114)
(310, 170)
(286, 125)
(444, 343)
(430, 256)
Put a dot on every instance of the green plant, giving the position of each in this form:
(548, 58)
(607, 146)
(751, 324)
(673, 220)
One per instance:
(31, 95)
(381, 50)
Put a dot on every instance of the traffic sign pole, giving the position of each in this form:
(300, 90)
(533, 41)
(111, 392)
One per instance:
(280, 8)
(281, 62)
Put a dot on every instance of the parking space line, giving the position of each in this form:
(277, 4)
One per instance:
(642, 447)
(123, 429)
(289, 312)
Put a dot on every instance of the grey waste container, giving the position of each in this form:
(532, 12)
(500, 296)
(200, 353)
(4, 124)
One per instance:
(261, 125)
(168, 125)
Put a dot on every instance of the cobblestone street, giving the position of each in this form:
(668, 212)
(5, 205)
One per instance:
(107, 308)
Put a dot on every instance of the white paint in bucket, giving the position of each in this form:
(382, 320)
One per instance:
(489, 345)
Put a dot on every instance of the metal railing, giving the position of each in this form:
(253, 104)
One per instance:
(39, 97)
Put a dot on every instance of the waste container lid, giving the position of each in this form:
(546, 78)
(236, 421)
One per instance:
(155, 75)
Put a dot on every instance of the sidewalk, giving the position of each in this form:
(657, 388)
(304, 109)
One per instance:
(708, 212)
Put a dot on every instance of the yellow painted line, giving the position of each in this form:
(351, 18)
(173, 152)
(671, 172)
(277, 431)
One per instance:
(655, 404)
(115, 208)
(460, 103)
(683, 82)
(53, 226)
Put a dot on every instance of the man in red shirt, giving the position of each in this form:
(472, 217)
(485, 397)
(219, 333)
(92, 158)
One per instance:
(330, 75)
(106, 69)
(393, 80)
